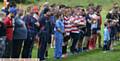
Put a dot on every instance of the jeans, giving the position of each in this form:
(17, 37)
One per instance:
(17, 46)
(43, 45)
(8, 50)
(27, 48)
(2, 46)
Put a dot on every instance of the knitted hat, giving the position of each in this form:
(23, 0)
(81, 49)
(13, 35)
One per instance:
(35, 9)
(13, 10)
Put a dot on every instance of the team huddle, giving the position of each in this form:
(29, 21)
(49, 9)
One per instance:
(69, 30)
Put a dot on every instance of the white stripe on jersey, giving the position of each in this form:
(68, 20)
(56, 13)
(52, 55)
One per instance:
(67, 25)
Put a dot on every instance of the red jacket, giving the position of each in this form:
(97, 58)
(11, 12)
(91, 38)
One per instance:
(9, 31)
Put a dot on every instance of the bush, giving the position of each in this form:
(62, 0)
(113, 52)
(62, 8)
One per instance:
(27, 1)
(22, 1)
(1, 0)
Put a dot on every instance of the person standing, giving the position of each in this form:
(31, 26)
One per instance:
(2, 35)
(20, 34)
(74, 34)
(30, 22)
(8, 21)
(119, 25)
(52, 20)
(59, 31)
(44, 34)
(88, 29)
(106, 38)
(67, 26)
(113, 16)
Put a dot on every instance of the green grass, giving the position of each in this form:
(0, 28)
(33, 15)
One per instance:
(96, 55)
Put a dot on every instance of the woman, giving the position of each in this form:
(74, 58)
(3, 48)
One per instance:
(20, 34)
(8, 21)
(59, 30)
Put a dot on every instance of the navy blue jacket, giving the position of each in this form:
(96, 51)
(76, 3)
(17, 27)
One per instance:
(30, 23)
(2, 30)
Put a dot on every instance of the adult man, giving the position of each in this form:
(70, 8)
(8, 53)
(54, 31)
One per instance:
(30, 20)
(44, 34)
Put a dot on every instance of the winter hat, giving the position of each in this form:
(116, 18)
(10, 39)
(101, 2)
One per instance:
(35, 9)
(13, 10)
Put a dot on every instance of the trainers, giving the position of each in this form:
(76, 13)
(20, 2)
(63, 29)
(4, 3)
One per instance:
(104, 51)
(111, 49)
(64, 55)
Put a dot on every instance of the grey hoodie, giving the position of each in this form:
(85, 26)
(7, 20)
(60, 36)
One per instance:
(20, 31)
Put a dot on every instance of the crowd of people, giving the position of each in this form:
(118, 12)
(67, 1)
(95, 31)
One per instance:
(58, 26)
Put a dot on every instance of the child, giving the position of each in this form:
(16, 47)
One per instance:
(81, 26)
(30, 24)
(119, 25)
(113, 32)
(59, 30)
(106, 38)
(45, 29)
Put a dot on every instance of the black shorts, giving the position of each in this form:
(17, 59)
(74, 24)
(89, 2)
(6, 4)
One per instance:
(49, 39)
(94, 31)
(82, 34)
(118, 29)
(88, 32)
(66, 38)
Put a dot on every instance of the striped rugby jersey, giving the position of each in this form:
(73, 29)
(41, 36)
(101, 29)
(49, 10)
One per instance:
(67, 25)
(75, 21)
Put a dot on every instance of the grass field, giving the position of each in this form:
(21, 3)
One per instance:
(96, 55)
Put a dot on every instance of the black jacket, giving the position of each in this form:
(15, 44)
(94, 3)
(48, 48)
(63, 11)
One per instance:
(2, 30)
